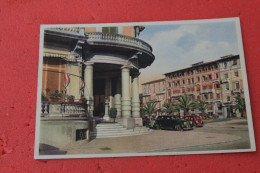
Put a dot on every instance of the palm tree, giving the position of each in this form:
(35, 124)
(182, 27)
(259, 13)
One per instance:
(150, 108)
(169, 108)
(240, 105)
(185, 103)
(201, 106)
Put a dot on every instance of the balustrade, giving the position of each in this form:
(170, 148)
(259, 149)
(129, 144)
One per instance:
(63, 109)
(117, 38)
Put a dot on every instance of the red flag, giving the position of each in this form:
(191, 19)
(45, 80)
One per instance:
(82, 86)
(66, 81)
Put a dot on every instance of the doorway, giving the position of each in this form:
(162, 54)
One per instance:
(99, 97)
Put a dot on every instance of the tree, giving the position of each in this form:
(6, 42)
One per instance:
(150, 108)
(201, 106)
(141, 99)
(185, 103)
(240, 105)
(113, 113)
(168, 108)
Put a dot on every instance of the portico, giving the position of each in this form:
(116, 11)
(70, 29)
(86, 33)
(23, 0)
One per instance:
(121, 91)
(108, 64)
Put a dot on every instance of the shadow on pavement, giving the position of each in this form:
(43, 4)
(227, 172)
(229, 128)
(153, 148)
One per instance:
(46, 149)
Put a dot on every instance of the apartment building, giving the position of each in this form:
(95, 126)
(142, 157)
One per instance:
(154, 91)
(232, 82)
(200, 81)
(216, 82)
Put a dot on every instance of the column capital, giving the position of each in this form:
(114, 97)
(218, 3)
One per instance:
(89, 63)
(126, 67)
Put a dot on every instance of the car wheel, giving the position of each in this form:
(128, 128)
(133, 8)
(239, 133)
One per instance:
(178, 127)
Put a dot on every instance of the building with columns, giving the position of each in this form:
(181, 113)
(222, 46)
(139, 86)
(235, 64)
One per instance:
(106, 59)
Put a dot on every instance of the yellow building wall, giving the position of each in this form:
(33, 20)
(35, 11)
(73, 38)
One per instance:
(91, 29)
(128, 31)
(75, 81)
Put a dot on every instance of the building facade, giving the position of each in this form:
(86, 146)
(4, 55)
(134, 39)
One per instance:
(232, 82)
(200, 81)
(154, 91)
(217, 83)
(99, 63)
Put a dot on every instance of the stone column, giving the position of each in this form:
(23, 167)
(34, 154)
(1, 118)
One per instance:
(106, 117)
(135, 97)
(118, 97)
(107, 100)
(88, 91)
(136, 101)
(126, 100)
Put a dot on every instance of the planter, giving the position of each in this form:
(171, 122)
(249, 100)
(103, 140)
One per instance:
(70, 100)
(53, 99)
(82, 101)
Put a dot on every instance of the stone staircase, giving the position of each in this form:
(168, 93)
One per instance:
(112, 130)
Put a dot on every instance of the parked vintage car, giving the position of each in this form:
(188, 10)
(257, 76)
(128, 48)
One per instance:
(146, 121)
(171, 122)
(196, 120)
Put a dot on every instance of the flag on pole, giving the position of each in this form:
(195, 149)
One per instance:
(66, 81)
(82, 86)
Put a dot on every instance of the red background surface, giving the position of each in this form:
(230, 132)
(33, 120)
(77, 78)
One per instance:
(19, 49)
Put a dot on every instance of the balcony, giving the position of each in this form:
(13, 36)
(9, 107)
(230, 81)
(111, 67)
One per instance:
(190, 93)
(176, 95)
(108, 42)
(206, 91)
(63, 109)
(146, 94)
(224, 81)
(237, 91)
(216, 80)
(118, 39)
(73, 31)
(160, 92)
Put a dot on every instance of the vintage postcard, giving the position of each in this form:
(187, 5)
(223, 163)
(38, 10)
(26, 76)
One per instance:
(140, 89)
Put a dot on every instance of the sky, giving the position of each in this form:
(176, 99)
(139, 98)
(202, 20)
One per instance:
(177, 46)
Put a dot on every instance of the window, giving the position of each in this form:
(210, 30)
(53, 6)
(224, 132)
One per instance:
(237, 85)
(154, 88)
(198, 78)
(217, 86)
(234, 62)
(226, 76)
(227, 86)
(216, 75)
(228, 98)
(144, 90)
(183, 82)
(236, 73)
(218, 96)
(206, 96)
(113, 30)
(225, 65)
(163, 85)
(169, 83)
(159, 86)
(210, 77)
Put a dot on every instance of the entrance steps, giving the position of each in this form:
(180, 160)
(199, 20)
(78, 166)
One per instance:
(112, 130)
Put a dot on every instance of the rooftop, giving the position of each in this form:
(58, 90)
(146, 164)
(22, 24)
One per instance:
(154, 81)
(201, 63)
